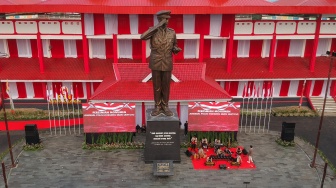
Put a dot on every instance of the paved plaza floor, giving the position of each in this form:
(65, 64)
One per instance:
(63, 163)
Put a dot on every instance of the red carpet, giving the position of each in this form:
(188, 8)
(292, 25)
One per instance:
(41, 124)
(199, 163)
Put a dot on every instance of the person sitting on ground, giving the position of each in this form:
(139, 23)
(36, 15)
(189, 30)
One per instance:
(238, 151)
(193, 142)
(217, 145)
(227, 151)
(220, 153)
(143, 128)
(204, 143)
(238, 161)
(137, 128)
(201, 153)
(208, 159)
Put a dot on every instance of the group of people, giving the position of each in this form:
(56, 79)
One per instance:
(225, 153)
(204, 143)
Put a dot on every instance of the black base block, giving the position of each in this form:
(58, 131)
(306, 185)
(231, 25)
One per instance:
(31, 134)
(162, 138)
(222, 166)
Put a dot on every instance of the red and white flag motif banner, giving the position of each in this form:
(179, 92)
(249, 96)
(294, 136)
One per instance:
(213, 116)
(109, 117)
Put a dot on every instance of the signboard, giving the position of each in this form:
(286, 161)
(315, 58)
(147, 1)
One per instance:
(163, 168)
(213, 116)
(109, 117)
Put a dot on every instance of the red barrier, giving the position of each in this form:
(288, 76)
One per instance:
(41, 124)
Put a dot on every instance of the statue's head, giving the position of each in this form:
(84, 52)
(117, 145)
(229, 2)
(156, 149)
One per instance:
(163, 14)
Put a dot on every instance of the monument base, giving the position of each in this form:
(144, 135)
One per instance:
(162, 137)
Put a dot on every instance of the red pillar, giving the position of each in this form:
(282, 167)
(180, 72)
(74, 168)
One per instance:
(143, 114)
(40, 52)
(178, 109)
(316, 39)
(271, 53)
(307, 88)
(333, 88)
(230, 46)
(44, 90)
(201, 48)
(85, 47)
(115, 48)
(88, 90)
(143, 51)
(227, 86)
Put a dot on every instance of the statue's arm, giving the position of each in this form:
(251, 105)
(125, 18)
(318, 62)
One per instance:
(176, 49)
(151, 31)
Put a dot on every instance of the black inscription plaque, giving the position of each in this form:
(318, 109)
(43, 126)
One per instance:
(162, 137)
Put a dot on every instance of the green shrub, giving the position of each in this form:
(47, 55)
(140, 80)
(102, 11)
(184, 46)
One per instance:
(285, 143)
(112, 146)
(33, 147)
(33, 113)
(293, 111)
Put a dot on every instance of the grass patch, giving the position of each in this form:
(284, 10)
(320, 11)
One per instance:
(3, 154)
(323, 157)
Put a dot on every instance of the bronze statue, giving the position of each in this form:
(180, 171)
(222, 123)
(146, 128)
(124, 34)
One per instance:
(162, 43)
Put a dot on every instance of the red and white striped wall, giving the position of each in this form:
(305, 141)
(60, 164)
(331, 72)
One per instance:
(282, 88)
(107, 24)
(37, 90)
(130, 48)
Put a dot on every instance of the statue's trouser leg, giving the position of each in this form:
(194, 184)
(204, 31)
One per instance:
(156, 78)
(166, 78)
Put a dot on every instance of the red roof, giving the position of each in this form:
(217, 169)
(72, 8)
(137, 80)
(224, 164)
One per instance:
(242, 69)
(54, 69)
(176, 6)
(192, 86)
(258, 68)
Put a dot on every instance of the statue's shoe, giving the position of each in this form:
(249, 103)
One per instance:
(167, 111)
(157, 111)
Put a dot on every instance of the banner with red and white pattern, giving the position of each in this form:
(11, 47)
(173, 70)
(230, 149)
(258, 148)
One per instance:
(213, 116)
(109, 117)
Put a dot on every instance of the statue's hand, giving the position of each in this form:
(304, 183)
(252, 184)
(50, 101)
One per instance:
(176, 50)
(163, 22)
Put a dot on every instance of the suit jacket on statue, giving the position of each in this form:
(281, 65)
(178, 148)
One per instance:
(162, 43)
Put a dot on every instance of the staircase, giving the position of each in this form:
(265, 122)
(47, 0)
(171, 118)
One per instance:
(330, 107)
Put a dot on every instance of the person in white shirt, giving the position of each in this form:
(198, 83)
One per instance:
(250, 153)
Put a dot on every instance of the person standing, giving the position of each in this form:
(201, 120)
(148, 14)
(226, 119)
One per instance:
(186, 128)
(163, 44)
(250, 153)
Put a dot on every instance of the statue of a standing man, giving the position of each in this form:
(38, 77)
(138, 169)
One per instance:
(162, 43)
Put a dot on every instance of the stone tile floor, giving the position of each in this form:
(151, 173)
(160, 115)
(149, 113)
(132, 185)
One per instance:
(63, 163)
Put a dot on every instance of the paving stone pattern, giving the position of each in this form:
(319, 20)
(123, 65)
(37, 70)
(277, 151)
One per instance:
(63, 163)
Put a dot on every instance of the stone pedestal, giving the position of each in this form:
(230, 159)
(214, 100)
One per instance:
(162, 137)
